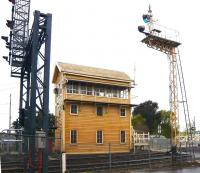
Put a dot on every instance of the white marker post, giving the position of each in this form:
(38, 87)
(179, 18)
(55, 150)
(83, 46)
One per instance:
(63, 162)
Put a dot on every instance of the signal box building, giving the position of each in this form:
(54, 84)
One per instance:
(92, 109)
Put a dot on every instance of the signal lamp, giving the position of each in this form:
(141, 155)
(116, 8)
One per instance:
(146, 18)
(4, 38)
(12, 1)
(5, 57)
(10, 24)
(141, 29)
(8, 45)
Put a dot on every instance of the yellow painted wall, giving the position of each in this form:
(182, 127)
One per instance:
(87, 123)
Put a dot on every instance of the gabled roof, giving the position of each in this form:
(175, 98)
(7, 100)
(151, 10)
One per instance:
(90, 72)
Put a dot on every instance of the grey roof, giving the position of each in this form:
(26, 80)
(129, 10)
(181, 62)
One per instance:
(93, 71)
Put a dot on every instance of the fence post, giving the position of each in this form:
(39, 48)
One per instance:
(0, 164)
(181, 157)
(149, 157)
(110, 157)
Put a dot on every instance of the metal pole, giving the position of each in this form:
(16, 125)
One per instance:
(110, 157)
(33, 91)
(61, 151)
(149, 156)
(10, 113)
(0, 164)
(46, 89)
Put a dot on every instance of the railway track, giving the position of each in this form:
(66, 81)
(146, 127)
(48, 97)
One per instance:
(100, 162)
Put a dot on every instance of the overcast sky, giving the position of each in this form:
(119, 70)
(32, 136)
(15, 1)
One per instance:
(103, 33)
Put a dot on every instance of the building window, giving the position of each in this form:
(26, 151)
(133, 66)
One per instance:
(69, 88)
(102, 92)
(73, 87)
(83, 89)
(122, 112)
(108, 92)
(125, 94)
(89, 90)
(99, 110)
(74, 109)
(122, 136)
(97, 91)
(122, 94)
(99, 137)
(115, 93)
(73, 137)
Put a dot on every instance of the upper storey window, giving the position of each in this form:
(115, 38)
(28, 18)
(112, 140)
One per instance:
(100, 91)
(89, 90)
(73, 87)
(115, 93)
(97, 90)
(83, 88)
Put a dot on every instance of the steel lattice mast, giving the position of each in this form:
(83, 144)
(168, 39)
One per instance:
(164, 43)
(170, 49)
(19, 35)
(29, 58)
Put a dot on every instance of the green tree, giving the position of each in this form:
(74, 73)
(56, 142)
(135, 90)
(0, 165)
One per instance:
(164, 121)
(148, 111)
(139, 123)
(17, 123)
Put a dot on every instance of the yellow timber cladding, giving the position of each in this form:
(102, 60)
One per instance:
(92, 109)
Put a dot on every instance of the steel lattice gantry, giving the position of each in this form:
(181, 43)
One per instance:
(29, 58)
(35, 75)
(19, 35)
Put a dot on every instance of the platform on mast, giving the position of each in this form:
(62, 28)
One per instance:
(159, 42)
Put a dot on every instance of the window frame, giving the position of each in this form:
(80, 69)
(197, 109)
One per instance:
(70, 88)
(76, 139)
(99, 106)
(83, 89)
(73, 88)
(97, 91)
(89, 91)
(101, 137)
(102, 92)
(76, 88)
(121, 142)
(121, 108)
(71, 109)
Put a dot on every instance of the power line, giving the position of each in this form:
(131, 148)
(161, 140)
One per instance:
(3, 89)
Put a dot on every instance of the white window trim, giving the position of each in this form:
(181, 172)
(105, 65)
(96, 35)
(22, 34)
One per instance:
(102, 137)
(120, 111)
(120, 137)
(76, 137)
(71, 109)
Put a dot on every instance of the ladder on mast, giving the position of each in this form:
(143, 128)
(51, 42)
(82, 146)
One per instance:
(185, 105)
